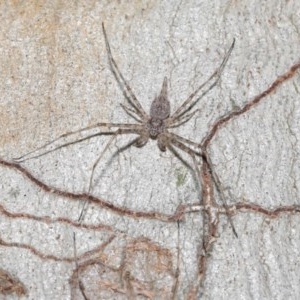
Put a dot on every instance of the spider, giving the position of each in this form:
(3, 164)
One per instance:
(154, 125)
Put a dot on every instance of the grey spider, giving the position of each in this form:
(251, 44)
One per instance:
(154, 125)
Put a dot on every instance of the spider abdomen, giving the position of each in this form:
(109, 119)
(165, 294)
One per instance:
(160, 107)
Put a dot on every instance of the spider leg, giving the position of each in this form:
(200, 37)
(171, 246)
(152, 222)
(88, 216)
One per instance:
(188, 104)
(220, 189)
(179, 138)
(178, 142)
(215, 178)
(115, 134)
(50, 144)
(181, 120)
(131, 112)
(127, 91)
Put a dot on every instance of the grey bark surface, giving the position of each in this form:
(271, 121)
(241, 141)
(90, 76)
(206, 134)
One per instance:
(55, 78)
